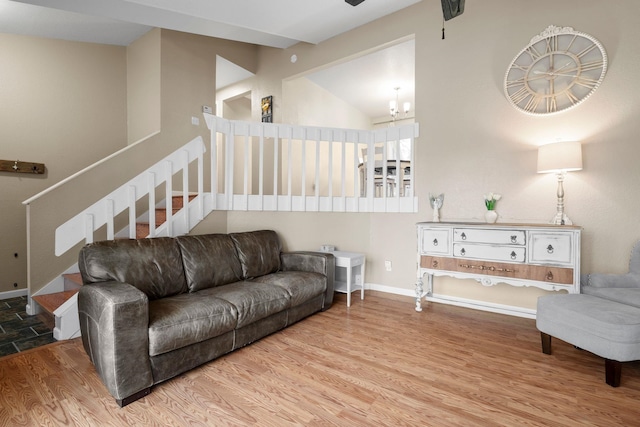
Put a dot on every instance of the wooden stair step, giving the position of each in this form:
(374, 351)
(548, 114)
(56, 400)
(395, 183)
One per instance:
(178, 203)
(72, 281)
(51, 302)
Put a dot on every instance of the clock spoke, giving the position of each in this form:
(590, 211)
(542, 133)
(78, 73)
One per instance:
(586, 50)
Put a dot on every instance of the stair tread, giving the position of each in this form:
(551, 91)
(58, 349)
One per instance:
(51, 302)
(74, 277)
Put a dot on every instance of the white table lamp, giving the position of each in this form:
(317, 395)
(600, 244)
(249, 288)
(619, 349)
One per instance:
(560, 158)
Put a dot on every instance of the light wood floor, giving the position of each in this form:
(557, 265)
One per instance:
(379, 363)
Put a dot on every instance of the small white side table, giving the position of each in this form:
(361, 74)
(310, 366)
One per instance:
(348, 260)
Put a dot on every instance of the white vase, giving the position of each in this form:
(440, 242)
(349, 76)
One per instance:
(491, 216)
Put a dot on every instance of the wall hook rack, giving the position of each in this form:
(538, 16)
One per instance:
(21, 167)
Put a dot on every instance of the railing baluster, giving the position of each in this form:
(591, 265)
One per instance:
(109, 218)
(261, 165)
(132, 211)
(201, 187)
(185, 189)
(276, 156)
(317, 177)
(88, 228)
(151, 188)
(214, 165)
(169, 198)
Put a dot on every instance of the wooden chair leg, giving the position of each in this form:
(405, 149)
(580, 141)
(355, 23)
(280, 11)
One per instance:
(546, 343)
(613, 372)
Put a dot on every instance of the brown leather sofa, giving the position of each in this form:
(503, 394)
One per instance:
(151, 309)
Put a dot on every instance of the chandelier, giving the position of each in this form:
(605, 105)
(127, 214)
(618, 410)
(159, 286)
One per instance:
(394, 106)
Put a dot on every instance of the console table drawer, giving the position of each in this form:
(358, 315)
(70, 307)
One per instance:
(435, 241)
(551, 248)
(559, 275)
(490, 252)
(498, 237)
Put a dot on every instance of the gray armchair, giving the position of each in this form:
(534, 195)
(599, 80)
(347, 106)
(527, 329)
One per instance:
(622, 288)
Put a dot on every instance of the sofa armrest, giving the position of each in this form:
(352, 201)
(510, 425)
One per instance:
(315, 262)
(114, 321)
(603, 280)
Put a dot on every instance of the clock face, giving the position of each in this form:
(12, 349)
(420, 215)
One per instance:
(558, 70)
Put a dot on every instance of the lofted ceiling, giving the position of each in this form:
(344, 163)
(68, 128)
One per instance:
(274, 23)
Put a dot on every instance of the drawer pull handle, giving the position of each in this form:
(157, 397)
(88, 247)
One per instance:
(549, 276)
(490, 268)
(550, 249)
(462, 252)
(513, 255)
(463, 236)
(434, 264)
(435, 242)
(514, 239)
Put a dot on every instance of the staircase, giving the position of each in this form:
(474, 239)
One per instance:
(280, 168)
(61, 307)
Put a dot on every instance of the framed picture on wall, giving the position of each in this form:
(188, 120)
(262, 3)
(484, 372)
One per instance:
(267, 109)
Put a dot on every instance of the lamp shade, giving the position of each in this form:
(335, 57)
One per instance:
(560, 157)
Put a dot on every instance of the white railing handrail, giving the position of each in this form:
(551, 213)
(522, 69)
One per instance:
(87, 169)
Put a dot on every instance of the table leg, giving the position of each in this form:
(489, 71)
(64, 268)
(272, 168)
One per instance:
(419, 294)
(349, 270)
(362, 279)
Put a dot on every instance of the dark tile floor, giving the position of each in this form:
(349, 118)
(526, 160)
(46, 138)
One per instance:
(18, 330)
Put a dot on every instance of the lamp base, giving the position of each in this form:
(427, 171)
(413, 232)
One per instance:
(561, 219)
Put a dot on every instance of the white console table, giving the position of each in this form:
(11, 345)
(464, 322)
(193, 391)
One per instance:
(544, 256)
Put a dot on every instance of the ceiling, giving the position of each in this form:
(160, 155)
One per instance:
(363, 82)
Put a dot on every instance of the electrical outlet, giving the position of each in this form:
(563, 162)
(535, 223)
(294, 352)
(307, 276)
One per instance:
(195, 121)
(387, 265)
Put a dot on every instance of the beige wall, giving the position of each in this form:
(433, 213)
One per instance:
(143, 86)
(472, 141)
(62, 104)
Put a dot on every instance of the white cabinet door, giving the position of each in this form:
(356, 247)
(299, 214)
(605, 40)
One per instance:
(551, 248)
(435, 241)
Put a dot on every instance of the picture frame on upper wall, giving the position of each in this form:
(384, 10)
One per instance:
(267, 109)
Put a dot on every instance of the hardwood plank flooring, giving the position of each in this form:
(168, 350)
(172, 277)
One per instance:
(378, 363)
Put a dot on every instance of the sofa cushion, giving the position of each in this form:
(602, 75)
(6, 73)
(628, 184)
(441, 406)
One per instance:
(209, 260)
(258, 251)
(186, 319)
(152, 265)
(302, 286)
(628, 296)
(253, 301)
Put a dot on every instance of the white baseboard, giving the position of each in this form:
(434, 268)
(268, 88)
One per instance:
(460, 302)
(13, 294)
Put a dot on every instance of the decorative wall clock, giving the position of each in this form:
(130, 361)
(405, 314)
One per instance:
(557, 70)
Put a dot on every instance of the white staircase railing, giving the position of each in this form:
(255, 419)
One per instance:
(277, 167)
(104, 212)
